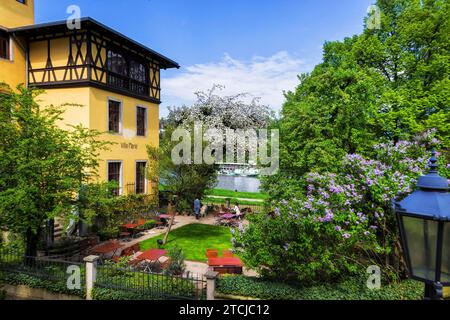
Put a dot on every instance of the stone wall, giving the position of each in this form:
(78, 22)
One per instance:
(21, 292)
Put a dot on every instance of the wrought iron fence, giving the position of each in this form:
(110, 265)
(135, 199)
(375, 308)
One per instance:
(69, 276)
(152, 285)
(253, 208)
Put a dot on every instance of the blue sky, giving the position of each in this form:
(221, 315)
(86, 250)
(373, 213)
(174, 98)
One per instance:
(254, 46)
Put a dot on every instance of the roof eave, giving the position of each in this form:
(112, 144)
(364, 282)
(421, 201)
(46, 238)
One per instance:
(166, 62)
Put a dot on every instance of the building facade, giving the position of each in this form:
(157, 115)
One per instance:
(115, 80)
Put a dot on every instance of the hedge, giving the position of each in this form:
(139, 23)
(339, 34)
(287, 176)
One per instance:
(37, 283)
(350, 289)
(115, 294)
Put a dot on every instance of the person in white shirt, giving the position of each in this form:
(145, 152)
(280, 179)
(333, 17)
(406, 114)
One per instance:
(203, 211)
(237, 211)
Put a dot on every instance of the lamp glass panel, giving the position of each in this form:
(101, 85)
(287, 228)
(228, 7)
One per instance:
(445, 266)
(421, 240)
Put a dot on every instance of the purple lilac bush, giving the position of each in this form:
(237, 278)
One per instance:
(342, 222)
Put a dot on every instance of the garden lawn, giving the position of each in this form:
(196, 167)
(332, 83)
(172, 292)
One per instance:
(194, 239)
(212, 200)
(234, 194)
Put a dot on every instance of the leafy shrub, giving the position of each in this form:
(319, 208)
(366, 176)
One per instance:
(114, 294)
(2, 293)
(106, 212)
(132, 285)
(14, 243)
(150, 224)
(100, 293)
(342, 221)
(118, 268)
(350, 289)
(176, 265)
(34, 282)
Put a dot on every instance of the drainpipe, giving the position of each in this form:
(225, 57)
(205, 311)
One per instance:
(27, 71)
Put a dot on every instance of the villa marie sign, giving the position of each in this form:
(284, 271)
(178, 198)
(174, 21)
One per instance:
(130, 146)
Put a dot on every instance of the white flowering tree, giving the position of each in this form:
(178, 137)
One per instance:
(238, 111)
(213, 111)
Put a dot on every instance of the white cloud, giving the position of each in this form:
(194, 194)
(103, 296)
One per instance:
(264, 77)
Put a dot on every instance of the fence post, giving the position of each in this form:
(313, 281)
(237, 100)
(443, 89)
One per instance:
(211, 277)
(91, 274)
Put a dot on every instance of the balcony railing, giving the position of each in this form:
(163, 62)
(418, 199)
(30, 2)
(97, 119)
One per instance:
(131, 188)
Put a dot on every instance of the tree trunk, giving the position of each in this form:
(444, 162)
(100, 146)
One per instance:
(32, 239)
(50, 232)
(166, 236)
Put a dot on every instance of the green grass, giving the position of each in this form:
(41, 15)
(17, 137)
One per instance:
(194, 239)
(234, 194)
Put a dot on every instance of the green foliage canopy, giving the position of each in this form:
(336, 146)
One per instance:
(42, 167)
(386, 84)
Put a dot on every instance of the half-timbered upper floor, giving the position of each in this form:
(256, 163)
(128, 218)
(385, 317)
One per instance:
(94, 55)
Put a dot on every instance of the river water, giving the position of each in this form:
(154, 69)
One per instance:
(242, 184)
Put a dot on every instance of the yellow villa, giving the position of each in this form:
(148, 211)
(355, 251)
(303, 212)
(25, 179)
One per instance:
(114, 78)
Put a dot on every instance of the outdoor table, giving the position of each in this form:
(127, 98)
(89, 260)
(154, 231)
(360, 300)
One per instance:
(226, 265)
(130, 225)
(228, 216)
(106, 248)
(152, 254)
(226, 262)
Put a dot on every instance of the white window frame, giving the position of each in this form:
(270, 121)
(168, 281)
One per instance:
(121, 174)
(145, 122)
(11, 46)
(145, 176)
(11, 51)
(120, 116)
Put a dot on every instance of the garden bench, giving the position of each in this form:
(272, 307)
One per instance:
(226, 265)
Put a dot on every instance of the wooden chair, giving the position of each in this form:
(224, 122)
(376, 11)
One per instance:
(127, 252)
(124, 233)
(227, 254)
(165, 262)
(136, 248)
(212, 253)
(159, 224)
(134, 263)
(228, 270)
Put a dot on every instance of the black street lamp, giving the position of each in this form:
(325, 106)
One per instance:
(424, 221)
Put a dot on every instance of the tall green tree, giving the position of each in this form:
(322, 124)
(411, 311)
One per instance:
(387, 84)
(42, 167)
